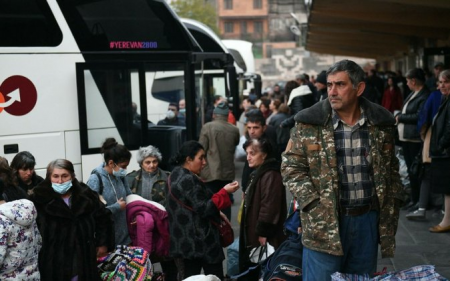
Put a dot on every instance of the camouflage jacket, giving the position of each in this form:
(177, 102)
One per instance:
(309, 170)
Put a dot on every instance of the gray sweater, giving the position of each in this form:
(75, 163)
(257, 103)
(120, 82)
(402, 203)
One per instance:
(121, 191)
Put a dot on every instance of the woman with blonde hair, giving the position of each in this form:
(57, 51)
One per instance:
(407, 127)
(440, 152)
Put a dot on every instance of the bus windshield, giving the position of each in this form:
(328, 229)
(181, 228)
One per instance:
(111, 25)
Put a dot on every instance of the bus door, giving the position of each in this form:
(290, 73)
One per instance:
(126, 101)
(222, 82)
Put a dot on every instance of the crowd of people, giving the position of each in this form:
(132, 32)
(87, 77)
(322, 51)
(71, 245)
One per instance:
(331, 142)
(347, 136)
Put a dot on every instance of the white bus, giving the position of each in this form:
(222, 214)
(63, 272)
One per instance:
(71, 71)
(242, 52)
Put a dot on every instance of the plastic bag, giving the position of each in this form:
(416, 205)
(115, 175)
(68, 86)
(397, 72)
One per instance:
(415, 273)
(233, 258)
(261, 253)
(202, 277)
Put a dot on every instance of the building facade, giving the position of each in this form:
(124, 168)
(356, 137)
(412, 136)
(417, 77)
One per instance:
(244, 20)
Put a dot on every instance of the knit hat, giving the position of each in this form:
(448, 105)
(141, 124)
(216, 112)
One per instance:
(221, 109)
(2, 189)
(322, 77)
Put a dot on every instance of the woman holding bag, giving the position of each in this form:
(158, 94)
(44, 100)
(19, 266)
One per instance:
(265, 206)
(194, 240)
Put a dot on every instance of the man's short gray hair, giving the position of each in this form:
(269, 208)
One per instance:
(354, 71)
(149, 151)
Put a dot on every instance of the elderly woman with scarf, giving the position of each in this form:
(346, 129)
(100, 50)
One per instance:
(265, 206)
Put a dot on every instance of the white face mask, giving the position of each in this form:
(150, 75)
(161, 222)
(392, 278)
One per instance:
(62, 188)
(170, 114)
(120, 173)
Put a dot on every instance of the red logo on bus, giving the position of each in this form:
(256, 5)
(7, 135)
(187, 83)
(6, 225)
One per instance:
(18, 95)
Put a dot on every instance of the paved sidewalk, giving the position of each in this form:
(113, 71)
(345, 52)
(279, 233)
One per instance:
(417, 246)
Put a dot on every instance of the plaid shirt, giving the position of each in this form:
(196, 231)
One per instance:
(354, 163)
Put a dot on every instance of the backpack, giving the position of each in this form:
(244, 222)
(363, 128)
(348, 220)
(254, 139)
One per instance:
(292, 223)
(100, 181)
(286, 262)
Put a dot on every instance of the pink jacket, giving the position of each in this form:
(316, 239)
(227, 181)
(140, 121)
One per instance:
(148, 225)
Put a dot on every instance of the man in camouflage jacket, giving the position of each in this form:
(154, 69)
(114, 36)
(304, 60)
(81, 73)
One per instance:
(310, 169)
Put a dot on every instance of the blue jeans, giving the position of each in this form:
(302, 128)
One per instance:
(359, 238)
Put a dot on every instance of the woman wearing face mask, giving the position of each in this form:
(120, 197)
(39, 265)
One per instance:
(108, 180)
(75, 226)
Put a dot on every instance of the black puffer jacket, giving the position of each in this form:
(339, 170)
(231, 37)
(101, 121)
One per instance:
(411, 115)
(301, 102)
(440, 133)
(298, 104)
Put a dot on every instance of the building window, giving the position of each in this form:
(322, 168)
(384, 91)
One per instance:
(258, 27)
(257, 4)
(229, 27)
(280, 24)
(244, 27)
(228, 4)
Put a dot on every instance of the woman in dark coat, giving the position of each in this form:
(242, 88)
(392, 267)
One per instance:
(300, 98)
(282, 132)
(194, 240)
(75, 226)
(12, 191)
(23, 167)
(407, 127)
(265, 207)
(440, 152)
